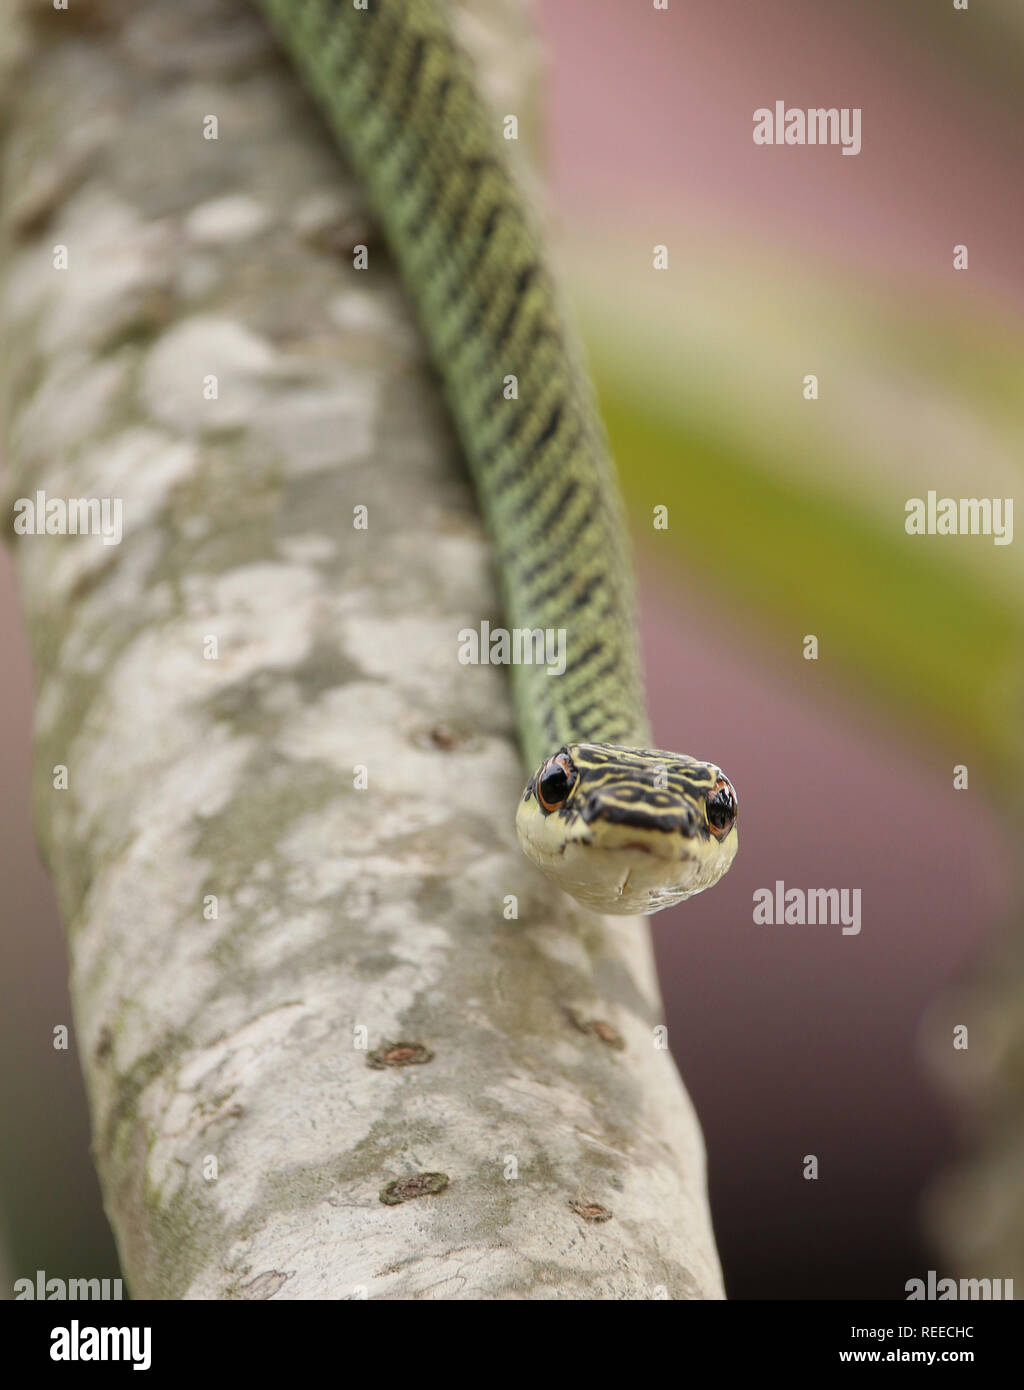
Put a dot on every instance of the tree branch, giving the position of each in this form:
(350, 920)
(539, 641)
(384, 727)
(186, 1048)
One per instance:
(252, 933)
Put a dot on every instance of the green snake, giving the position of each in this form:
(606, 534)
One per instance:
(622, 827)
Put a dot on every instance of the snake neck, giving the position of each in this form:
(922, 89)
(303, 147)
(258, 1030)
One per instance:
(401, 97)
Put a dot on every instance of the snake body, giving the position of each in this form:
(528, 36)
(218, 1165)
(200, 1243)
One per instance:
(621, 826)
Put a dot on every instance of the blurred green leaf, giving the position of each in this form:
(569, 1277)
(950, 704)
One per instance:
(897, 618)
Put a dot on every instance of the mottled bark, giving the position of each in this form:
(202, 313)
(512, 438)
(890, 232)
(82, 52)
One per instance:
(249, 1144)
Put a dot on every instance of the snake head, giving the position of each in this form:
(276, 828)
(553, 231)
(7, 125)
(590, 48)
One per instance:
(628, 830)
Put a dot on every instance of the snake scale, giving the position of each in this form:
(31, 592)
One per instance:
(619, 825)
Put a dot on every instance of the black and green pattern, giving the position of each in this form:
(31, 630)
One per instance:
(401, 97)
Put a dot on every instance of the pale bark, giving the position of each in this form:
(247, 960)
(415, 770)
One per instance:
(235, 1038)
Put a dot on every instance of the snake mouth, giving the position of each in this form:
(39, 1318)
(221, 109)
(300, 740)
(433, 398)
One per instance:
(638, 846)
(664, 848)
(635, 846)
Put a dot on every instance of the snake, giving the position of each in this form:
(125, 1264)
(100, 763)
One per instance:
(623, 827)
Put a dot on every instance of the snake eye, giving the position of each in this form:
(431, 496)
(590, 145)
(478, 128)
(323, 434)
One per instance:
(555, 781)
(721, 809)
